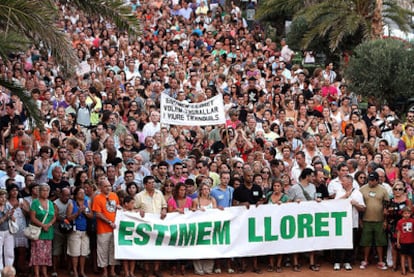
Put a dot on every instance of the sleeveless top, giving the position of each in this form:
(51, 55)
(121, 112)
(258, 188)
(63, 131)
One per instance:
(209, 206)
(81, 220)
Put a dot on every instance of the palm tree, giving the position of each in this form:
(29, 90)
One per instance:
(24, 23)
(340, 20)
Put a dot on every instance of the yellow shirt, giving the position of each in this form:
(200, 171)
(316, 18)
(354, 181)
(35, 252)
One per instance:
(150, 204)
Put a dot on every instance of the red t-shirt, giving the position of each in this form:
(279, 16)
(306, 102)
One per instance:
(405, 227)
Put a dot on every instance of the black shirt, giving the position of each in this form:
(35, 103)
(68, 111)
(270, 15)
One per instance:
(252, 195)
(57, 187)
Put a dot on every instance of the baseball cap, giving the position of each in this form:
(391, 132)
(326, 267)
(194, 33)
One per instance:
(373, 176)
(131, 161)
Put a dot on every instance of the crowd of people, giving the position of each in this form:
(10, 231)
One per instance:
(290, 136)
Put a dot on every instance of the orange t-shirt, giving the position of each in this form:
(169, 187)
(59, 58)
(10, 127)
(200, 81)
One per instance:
(105, 205)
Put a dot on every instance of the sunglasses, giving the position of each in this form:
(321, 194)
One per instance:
(398, 189)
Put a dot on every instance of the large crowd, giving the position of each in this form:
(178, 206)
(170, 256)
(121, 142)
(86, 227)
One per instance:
(290, 135)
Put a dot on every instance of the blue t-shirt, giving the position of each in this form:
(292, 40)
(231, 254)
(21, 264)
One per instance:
(224, 198)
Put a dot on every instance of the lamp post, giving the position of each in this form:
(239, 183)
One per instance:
(250, 14)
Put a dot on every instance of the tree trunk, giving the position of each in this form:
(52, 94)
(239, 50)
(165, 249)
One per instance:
(376, 22)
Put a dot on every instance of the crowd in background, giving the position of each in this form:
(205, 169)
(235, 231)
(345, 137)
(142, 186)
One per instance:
(290, 135)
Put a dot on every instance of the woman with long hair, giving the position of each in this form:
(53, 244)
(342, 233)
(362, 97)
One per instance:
(75, 151)
(21, 209)
(167, 190)
(203, 202)
(388, 161)
(393, 214)
(132, 189)
(179, 203)
(41, 165)
(276, 196)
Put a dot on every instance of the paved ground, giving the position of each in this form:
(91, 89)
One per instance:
(326, 270)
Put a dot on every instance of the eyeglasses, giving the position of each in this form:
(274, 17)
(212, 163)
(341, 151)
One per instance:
(398, 189)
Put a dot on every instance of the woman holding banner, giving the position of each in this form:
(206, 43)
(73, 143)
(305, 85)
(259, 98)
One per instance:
(180, 203)
(203, 202)
(276, 196)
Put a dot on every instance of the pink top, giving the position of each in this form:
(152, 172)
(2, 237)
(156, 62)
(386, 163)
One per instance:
(173, 203)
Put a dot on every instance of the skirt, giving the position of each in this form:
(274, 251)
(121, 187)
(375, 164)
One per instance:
(41, 252)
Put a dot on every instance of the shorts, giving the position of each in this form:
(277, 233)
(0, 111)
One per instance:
(59, 243)
(407, 249)
(105, 251)
(373, 232)
(78, 244)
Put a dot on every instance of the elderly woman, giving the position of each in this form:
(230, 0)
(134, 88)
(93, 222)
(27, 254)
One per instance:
(78, 211)
(42, 214)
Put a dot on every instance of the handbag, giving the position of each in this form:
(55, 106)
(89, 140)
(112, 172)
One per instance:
(65, 226)
(13, 227)
(32, 232)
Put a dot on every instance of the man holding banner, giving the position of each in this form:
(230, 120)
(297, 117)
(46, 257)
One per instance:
(151, 200)
(245, 195)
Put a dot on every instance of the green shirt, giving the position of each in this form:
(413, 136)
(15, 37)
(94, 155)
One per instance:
(40, 214)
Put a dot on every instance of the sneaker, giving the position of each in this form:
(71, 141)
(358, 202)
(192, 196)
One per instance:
(347, 266)
(54, 274)
(337, 266)
(230, 271)
(382, 266)
(217, 270)
(363, 265)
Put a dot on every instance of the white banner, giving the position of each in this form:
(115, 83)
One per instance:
(210, 112)
(235, 231)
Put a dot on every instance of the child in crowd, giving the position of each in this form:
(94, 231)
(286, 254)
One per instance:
(405, 239)
(129, 265)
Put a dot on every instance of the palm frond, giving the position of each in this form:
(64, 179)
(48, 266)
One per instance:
(36, 20)
(12, 43)
(29, 104)
(115, 10)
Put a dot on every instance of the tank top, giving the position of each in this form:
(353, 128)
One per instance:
(81, 220)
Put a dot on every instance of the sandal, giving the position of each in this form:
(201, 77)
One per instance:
(270, 268)
(278, 269)
(296, 268)
(314, 267)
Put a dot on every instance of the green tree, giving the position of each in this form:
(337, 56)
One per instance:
(383, 69)
(24, 23)
(339, 21)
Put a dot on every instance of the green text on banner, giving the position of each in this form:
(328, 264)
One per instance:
(235, 231)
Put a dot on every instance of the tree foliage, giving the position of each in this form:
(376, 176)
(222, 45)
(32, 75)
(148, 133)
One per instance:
(338, 21)
(382, 68)
(24, 23)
